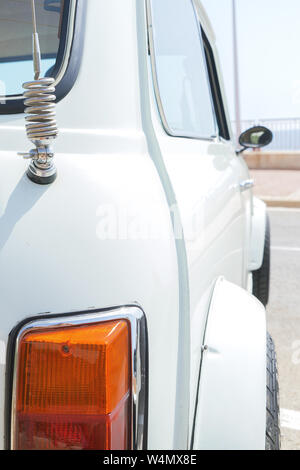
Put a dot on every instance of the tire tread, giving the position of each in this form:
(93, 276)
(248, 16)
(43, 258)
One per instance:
(273, 410)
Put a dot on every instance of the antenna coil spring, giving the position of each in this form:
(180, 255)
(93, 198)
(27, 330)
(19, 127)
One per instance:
(41, 127)
(39, 101)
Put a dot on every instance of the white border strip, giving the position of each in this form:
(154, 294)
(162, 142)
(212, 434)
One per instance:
(290, 419)
(286, 248)
(283, 209)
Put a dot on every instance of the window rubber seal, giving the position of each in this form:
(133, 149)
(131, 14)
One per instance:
(218, 101)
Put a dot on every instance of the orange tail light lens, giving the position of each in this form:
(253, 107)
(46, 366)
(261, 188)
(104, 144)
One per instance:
(73, 387)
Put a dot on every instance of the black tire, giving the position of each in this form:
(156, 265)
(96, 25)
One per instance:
(273, 412)
(261, 277)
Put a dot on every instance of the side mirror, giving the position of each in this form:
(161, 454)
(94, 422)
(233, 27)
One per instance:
(255, 138)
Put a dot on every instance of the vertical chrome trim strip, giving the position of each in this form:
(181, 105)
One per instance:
(139, 362)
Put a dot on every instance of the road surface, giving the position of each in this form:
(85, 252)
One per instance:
(283, 317)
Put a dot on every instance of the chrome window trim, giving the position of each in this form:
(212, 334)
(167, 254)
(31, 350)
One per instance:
(168, 130)
(69, 41)
(135, 316)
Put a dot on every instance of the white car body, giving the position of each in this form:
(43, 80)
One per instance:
(113, 151)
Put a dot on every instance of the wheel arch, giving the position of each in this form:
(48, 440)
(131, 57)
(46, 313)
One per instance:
(231, 405)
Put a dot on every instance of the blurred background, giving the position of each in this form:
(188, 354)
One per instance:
(258, 43)
(267, 39)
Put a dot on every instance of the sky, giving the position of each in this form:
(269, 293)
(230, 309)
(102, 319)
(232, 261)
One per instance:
(269, 55)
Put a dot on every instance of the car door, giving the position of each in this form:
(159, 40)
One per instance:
(199, 157)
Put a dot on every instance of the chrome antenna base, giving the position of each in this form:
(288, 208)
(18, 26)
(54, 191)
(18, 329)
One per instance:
(41, 127)
(41, 173)
(41, 169)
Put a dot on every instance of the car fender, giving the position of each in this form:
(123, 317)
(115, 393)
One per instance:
(231, 407)
(258, 231)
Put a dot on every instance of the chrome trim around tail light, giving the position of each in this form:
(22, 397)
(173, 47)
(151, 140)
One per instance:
(139, 361)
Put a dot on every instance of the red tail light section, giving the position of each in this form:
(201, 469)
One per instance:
(73, 387)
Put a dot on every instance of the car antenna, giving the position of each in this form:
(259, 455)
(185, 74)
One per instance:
(40, 110)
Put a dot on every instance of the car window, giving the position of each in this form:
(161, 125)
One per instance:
(16, 40)
(180, 70)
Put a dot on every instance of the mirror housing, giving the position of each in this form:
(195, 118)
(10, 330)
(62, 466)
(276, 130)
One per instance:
(255, 137)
